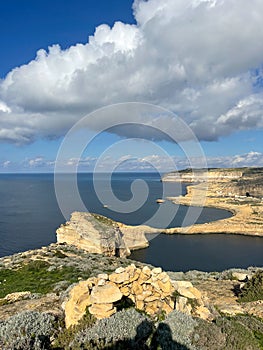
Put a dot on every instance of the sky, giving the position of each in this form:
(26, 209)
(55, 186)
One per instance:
(197, 60)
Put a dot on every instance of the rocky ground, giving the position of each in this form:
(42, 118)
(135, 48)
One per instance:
(34, 286)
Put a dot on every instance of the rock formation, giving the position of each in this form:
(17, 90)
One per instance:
(151, 291)
(98, 234)
(236, 190)
(233, 181)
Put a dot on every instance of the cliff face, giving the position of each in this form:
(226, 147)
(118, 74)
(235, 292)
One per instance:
(240, 181)
(98, 234)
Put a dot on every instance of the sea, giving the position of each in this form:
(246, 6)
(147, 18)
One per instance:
(30, 214)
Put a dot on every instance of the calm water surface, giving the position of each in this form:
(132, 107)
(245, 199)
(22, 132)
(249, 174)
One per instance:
(30, 215)
(213, 252)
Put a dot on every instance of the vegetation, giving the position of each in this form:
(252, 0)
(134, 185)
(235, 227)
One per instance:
(103, 220)
(27, 330)
(253, 289)
(37, 277)
(66, 336)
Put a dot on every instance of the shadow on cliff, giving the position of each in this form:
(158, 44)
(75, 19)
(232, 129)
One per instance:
(149, 339)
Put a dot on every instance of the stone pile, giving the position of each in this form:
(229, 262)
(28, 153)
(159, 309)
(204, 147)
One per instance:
(150, 290)
(190, 300)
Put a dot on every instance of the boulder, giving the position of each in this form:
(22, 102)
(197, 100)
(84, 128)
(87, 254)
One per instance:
(75, 306)
(109, 293)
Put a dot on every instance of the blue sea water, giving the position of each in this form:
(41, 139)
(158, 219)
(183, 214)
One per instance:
(30, 215)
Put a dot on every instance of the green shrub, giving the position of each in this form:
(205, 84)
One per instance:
(253, 289)
(37, 277)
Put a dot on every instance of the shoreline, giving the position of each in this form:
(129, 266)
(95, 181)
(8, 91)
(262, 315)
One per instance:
(247, 212)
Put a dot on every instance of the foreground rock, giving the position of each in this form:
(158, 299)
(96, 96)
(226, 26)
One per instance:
(98, 234)
(150, 290)
(73, 274)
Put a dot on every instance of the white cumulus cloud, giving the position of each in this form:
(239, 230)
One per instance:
(199, 58)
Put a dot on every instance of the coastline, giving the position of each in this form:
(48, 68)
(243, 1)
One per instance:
(247, 212)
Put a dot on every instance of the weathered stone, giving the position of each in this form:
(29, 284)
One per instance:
(75, 306)
(143, 277)
(166, 287)
(101, 282)
(144, 295)
(146, 270)
(139, 304)
(103, 276)
(152, 308)
(204, 313)
(119, 277)
(136, 288)
(184, 284)
(183, 306)
(151, 298)
(13, 297)
(195, 292)
(167, 308)
(92, 281)
(135, 276)
(108, 293)
(163, 276)
(156, 270)
(232, 310)
(191, 293)
(102, 310)
(125, 290)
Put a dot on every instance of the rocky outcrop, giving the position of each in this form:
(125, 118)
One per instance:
(98, 234)
(151, 291)
(234, 181)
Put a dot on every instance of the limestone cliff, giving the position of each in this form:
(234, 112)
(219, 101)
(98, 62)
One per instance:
(237, 190)
(232, 181)
(98, 234)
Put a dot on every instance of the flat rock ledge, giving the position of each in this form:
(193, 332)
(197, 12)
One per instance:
(98, 234)
(150, 290)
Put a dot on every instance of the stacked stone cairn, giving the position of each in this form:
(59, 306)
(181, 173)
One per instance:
(151, 291)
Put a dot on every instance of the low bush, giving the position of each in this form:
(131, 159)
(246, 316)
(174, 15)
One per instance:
(253, 289)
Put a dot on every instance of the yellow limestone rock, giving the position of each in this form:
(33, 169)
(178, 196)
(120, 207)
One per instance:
(152, 308)
(75, 306)
(146, 270)
(109, 293)
(184, 284)
(167, 308)
(119, 277)
(139, 305)
(191, 293)
(183, 306)
(166, 287)
(135, 275)
(136, 288)
(12, 297)
(143, 277)
(102, 310)
(204, 313)
(125, 290)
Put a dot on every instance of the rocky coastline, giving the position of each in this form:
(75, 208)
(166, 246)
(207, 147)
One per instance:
(60, 297)
(84, 293)
(239, 191)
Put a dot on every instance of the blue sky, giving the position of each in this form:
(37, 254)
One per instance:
(183, 56)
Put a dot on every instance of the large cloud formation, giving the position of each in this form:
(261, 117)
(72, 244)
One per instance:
(201, 59)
